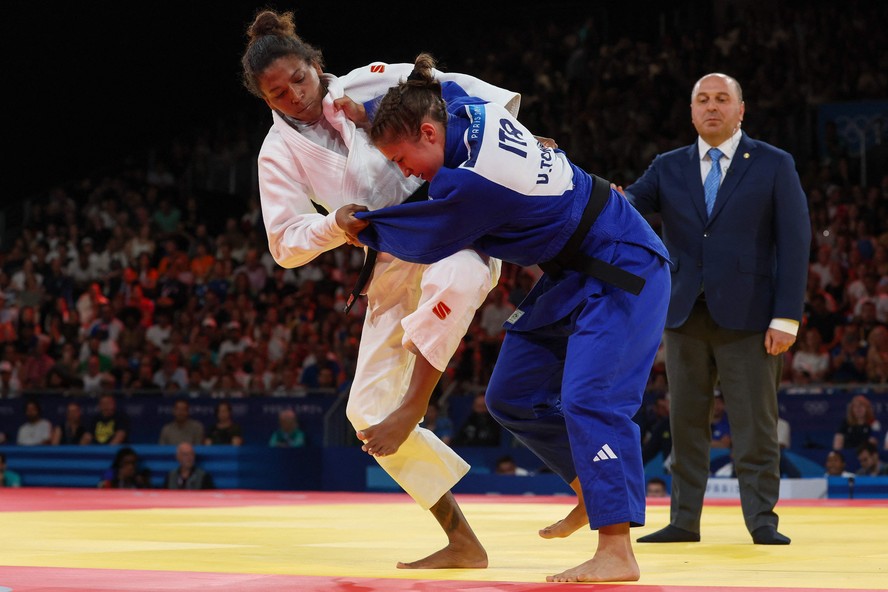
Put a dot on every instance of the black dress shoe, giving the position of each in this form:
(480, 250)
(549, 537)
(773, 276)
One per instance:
(768, 535)
(671, 534)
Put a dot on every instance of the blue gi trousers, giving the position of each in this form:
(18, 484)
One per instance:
(569, 390)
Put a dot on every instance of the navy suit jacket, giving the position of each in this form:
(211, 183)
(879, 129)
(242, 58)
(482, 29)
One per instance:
(751, 255)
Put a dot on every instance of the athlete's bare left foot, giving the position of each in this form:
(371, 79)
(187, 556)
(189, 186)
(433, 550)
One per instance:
(575, 520)
(451, 557)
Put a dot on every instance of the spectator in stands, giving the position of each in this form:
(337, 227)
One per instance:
(288, 434)
(182, 428)
(107, 328)
(870, 463)
(479, 428)
(319, 358)
(835, 289)
(820, 267)
(866, 321)
(139, 301)
(810, 363)
(225, 431)
(167, 217)
(862, 293)
(10, 387)
(188, 475)
(71, 431)
(235, 340)
(84, 269)
(89, 302)
(439, 424)
(202, 262)
(254, 271)
(656, 487)
(110, 426)
(144, 376)
(784, 440)
(835, 465)
(877, 355)
(92, 346)
(171, 377)
(656, 437)
(494, 312)
(159, 332)
(94, 379)
(506, 465)
(139, 243)
(37, 364)
(8, 478)
(132, 334)
(721, 429)
(37, 430)
(882, 289)
(848, 359)
(859, 425)
(126, 472)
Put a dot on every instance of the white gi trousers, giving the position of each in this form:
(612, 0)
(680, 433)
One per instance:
(404, 310)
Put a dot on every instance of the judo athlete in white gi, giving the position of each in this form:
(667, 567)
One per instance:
(578, 351)
(312, 154)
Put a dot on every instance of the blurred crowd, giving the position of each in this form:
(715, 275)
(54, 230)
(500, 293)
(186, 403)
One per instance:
(156, 277)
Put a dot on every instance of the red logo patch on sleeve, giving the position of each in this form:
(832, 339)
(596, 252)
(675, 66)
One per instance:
(441, 310)
(377, 68)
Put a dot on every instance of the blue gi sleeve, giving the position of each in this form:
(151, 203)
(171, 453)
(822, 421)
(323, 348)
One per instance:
(425, 232)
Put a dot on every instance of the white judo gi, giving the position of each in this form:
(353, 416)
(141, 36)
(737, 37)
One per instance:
(404, 299)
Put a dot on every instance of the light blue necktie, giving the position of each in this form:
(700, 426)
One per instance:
(713, 179)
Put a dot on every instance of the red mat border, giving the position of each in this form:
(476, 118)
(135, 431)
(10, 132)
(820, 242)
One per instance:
(32, 499)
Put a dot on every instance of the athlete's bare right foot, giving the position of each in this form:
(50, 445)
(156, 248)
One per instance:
(614, 560)
(575, 520)
(451, 557)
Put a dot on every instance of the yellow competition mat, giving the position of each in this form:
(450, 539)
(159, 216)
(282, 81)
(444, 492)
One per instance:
(835, 545)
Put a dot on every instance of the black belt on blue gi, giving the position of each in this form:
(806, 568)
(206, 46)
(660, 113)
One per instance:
(571, 257)
(421, 194)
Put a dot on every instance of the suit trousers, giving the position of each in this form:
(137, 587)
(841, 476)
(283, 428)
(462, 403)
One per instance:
(699, 356)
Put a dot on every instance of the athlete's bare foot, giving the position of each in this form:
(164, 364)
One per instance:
(575, 519)
(450, 557)
(614, 561)
(386, 437)
(463, 548)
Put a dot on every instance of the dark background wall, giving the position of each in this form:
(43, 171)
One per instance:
(86, 81)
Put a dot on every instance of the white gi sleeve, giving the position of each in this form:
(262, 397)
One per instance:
(372, 81)
(297, 232)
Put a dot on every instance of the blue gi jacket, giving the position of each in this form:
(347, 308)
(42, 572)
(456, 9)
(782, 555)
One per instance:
(505, 195)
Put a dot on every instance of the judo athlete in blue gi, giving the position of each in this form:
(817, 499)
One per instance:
(578, 351)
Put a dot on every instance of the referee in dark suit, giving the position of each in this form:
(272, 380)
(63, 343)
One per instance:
(735, 221)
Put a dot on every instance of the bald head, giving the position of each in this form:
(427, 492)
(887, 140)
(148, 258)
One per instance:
(717, 108)
(730, 81)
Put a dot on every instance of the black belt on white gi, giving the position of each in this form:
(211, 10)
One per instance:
(421, 194)
(571, 257)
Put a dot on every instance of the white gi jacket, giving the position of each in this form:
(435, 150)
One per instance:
(405, 311)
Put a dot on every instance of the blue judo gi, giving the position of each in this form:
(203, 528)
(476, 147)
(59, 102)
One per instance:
(578, 351)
